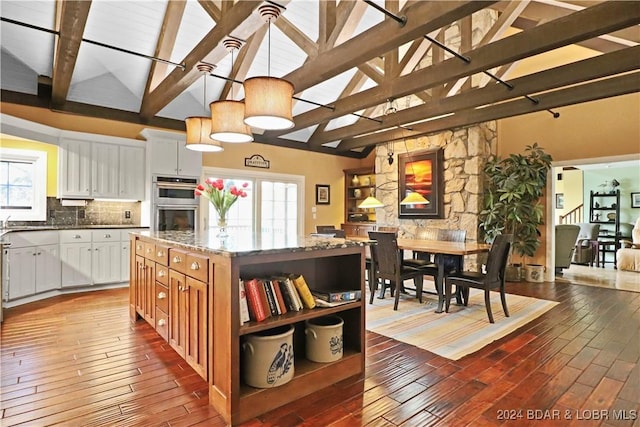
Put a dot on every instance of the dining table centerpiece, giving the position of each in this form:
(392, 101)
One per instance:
(222, 196)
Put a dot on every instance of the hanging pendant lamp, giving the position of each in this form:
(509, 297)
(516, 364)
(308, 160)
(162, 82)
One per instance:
(268, 100)
(227, 116)
(414, 198)
(199, 128)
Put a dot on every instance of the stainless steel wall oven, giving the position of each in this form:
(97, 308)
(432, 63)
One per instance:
(175, 205)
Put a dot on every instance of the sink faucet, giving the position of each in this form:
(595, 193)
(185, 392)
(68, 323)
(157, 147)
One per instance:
(5, 224)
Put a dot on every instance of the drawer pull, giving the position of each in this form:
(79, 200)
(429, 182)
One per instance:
(161, 322)
(107, 236)
(148, 250)
(161, 273)
(160, 253)
(162, 295)
(195, 266)
(139, 247)
(179, 288)
(77, 236)
(177, 260)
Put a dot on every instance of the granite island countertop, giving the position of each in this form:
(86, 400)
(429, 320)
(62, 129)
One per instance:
(247, 244)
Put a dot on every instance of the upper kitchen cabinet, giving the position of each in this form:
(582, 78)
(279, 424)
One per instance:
(74, 172)
(171, 158)
(132, 176)
(89, 170)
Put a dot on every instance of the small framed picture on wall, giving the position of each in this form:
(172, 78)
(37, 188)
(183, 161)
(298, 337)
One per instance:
(635, 200)
(560, 201)
(323, 196)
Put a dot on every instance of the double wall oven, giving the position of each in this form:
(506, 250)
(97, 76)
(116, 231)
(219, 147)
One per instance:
(175, 205)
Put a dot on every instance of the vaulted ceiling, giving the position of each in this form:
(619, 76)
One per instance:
(346, 59)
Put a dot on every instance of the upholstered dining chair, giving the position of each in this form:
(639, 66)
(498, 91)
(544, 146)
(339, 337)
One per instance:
(388, 266)
(494, 277)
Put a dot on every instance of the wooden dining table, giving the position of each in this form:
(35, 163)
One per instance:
(439, 248)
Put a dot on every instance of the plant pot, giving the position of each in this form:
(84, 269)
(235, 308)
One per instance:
(534, 273)
(513, 273)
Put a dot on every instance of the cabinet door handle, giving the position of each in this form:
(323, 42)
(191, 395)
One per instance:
(107, 236)
(162, 295)
(185, 288)
(177, 259)
(161, 322)
(34, 254)
(161, 273)
(148, 250)
(195, 266)
(89, 250)
(180, 288)
(39, 253)
(77, 236)
(160, 253)
(139, 247)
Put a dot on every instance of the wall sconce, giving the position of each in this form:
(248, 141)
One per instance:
(199, 128)
(268, 100)
(227, 116)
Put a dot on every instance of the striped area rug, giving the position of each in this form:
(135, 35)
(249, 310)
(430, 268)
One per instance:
(453, 335)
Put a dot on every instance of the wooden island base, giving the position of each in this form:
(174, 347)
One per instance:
(187, 287)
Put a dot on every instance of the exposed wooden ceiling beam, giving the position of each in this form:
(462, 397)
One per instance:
(575, 73)
(239, 21)
(600, 89)
(166, 41)
(424, 17)
(73, 18)
(564, 31)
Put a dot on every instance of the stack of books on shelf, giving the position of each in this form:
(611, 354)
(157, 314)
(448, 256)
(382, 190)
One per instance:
(273, 296)
(263, 297)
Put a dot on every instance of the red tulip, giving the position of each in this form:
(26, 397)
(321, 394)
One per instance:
(245, 184)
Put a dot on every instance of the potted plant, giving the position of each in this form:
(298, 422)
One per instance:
(514, 186)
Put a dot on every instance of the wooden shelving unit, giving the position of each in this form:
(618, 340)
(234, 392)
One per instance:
(359, 184)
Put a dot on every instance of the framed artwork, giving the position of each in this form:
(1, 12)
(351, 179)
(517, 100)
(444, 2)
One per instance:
(323, 196)
(422, 172)
(635, 200)
(560, 201)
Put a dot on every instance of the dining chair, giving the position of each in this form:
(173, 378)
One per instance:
(494, 277)
(421, 259)
(388, 266)
(427, 263)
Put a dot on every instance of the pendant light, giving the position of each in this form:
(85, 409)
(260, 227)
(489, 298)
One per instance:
(268, 100)
(199, 128)
(370, 203)
(227, 116)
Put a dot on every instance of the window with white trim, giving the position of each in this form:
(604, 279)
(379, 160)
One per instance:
(274, 205)
(23, 185)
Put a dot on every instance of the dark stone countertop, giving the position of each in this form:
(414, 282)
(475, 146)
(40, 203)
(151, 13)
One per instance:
(244, 245)
(17, 228)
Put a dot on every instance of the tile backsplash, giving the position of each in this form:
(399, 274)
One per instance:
(96, 212)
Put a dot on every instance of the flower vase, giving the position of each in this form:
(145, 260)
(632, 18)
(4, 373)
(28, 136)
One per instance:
(222, 228)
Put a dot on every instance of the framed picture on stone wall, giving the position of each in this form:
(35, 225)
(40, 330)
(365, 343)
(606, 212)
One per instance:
(421, 172)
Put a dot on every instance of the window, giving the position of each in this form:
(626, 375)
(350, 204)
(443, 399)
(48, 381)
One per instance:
(274, 205)
(23, 185)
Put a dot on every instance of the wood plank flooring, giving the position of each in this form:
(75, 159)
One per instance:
(76, 360)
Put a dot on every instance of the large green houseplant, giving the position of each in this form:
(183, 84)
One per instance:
(514, 186)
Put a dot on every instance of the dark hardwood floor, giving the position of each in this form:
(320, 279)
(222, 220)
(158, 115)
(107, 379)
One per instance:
(77, 360)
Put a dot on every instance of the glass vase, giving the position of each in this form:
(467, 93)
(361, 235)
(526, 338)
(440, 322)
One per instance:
(222, 228)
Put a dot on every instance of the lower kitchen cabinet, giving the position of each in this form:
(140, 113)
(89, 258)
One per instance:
(33, 263)
(76, 255)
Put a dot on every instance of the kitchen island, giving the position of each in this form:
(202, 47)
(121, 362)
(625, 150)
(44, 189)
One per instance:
(187, 286)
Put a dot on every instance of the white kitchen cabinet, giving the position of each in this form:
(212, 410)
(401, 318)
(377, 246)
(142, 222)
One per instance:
(74, 172)
(104, 170)
(105, 263)
(125, 259)
(33, 263)
(76, 255)
(171, 158)
(106, 256)
(100, 170)
(131, 174)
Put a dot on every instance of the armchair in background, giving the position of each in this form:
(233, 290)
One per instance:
(566, 236)
(587, 244)
(628, 255)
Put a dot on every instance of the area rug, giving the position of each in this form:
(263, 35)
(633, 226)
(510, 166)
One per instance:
(453, 335)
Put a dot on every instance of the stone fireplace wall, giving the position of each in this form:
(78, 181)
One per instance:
(465, 154)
